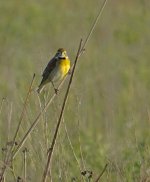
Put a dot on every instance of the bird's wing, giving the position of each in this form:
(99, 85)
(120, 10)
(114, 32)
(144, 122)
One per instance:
(50, 66)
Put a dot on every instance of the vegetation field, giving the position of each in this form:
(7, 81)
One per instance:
(107, 116)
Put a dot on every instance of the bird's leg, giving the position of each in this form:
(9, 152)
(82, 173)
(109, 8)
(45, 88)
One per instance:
(55, 89)
(69, 72)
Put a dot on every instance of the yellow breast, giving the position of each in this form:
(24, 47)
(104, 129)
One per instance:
(65, 66)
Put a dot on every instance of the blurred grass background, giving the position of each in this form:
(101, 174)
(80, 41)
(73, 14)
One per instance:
(109, 99)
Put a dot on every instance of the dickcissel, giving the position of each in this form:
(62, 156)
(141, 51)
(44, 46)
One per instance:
(55, 70)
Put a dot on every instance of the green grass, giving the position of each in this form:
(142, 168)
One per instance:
(109, 96)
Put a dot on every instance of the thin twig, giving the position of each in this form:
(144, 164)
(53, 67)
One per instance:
(73, 151)
(101, 174)
(9, 122)
(33, 125)
(46, 170)
(25, 164)
(44, 123)
(1, 105)
(81, 153)
(71, 146)
(94, 24)
(24, 108)
(13, 172)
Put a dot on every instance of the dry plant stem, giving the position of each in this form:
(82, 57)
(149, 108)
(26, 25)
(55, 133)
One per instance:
(35, 122)
(1, 106)
(94, 24)
(46, 170)
(44, 121)
(24, 108)
(81, 153)
(9, 122)
(45, 127)
(13, 173)
(148, 113)
(101, 174)
(25, 164)
(71, 146)
(9, 154)
(46, 134)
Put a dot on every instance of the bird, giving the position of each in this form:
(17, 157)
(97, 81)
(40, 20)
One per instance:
(56, 69)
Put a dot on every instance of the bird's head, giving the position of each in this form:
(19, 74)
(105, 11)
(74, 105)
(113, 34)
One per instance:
(61, 53)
